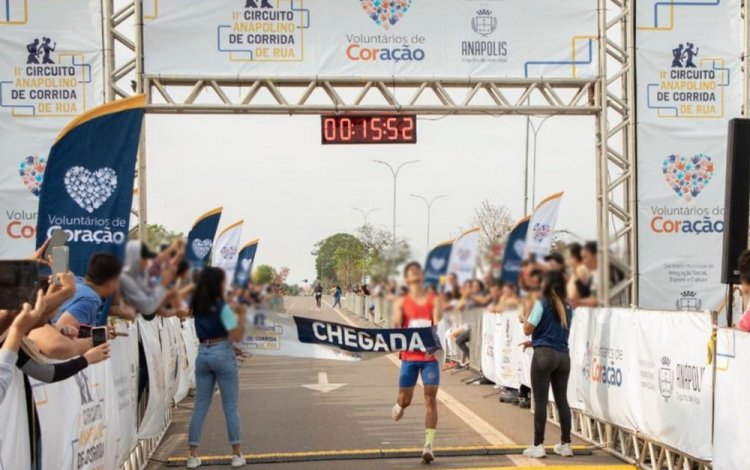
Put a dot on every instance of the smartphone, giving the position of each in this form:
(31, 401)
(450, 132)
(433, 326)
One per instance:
(19, 283)
(59, 238)
(60, 256)
(84, 331)
(99, 335)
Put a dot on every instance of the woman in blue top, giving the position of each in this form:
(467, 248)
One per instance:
(216, 326)
(549, 326)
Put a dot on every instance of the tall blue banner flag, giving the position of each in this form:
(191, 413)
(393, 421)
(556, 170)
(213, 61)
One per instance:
(245, 261)
(88, 183)
(436, 265)
(201, 238)
(514, 251)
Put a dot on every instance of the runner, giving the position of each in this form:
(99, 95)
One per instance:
(318, 296)
(418, 308)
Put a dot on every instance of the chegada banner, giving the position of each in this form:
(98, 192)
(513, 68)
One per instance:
(357, 38)
(50, 72)
(689, 83)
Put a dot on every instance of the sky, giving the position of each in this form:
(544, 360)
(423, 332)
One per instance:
(292, 192)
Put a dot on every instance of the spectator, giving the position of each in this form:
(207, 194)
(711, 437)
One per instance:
(548, 326)
(479, 295)
(555, 261)
(589, 257)
(136, 288)
(496, 295)
(462, 334)
(579, 285)
(743, 265)
(337, 296)
(509, 299)
(216, 325)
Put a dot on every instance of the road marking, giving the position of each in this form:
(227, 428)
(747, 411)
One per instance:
(323, 385)
(558, 467)
(473, 420)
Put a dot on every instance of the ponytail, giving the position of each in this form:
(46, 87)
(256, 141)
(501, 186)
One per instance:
(553, 289)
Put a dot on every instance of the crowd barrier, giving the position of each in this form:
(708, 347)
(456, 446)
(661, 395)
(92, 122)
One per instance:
(360, 306)
(92, 420)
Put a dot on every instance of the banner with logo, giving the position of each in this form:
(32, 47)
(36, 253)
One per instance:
(689, 84)
(88, 184)
(201, 238)
(542, 226)
(463, 257)
(50, 72)
(245, 261)
(350, 38)
(506, 349)
(436, 265)
(154, 418)
(122, 394)
(226, 248)
(269, 333)
(15, 451)
(646, 371)
(515, 248)
(732, 385)
(488, 365)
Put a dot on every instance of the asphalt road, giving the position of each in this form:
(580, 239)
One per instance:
(281, 417)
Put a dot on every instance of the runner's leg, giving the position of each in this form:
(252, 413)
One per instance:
(431, 382)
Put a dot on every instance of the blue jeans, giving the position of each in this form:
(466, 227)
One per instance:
(216, 363)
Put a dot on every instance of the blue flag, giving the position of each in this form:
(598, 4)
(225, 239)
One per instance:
(514, 249)
(88, 183)
(245, 264)
(436, 265)
(201, 238)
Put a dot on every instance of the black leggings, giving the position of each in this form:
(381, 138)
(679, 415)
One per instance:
(550, 367)
(461, 341)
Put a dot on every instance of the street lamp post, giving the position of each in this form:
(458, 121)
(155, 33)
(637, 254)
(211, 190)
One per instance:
(395, 177)
(365, 215)
(429, 212)
(535, 130)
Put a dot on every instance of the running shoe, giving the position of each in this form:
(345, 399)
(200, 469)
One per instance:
(397, 412)
(537, 452)
(563, 450)
(193, 462)
(238, 461)
(427, 455)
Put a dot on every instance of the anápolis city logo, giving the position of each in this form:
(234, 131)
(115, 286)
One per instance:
(688, 177)
(201, 248)
(666, 378)
(484, 23)
(386, 13)
(31, 171)
(228, 252)
(437, 263)
(689, 301)
(90, 189)
(541, 232)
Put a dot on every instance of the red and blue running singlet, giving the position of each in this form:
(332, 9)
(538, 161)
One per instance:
(418, 316)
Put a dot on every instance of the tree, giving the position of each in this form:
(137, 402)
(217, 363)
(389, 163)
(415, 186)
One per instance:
(382, 259)
(263, 274)
(337, 258)
(279, 277)
(157, 235)
(494, 222)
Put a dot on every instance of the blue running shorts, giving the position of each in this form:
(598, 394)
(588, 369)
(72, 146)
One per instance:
(410, 370)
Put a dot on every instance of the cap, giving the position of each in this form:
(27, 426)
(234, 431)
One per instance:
(146, 252)
(556, 257)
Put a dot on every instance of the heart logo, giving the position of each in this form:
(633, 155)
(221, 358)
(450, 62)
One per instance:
(245, 263)
(437, 263)
(90, 189)
(201, 248)
(32, 173)
(541, 231)
(385, 13)
(520, 248)
(228, 252)
(688, 177)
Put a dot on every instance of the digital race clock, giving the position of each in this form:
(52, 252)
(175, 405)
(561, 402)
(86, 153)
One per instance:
(369, 129)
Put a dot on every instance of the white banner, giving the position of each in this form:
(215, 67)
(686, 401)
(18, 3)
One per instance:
(345, 38)
(689, 84)
(50, 72)
(507, 350)
(646, 371)
(153, 421)
(489, 368)
(15, 451)
(542, 226)
(226, 248)
(731, 430)
(463, 260)
(122, 394)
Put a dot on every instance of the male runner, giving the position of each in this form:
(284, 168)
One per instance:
(318, 296)
(418, 309)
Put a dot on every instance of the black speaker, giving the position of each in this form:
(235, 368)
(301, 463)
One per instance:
(736, 199)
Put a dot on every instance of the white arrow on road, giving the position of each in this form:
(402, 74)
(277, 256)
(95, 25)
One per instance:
(323, 385)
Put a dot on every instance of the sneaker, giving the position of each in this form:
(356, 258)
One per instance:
(427, 455)
(397, 412)
(536, 452)
(563, 450)
(193, 462)
(238, 461)
(524, 403)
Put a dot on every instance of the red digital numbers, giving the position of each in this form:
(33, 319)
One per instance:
(374, 129)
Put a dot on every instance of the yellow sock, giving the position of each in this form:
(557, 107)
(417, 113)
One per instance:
(429, 437)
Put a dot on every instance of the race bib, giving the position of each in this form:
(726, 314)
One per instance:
(420, 323)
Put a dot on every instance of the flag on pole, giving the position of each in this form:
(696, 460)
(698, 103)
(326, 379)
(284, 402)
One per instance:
(88, 182)
(463, 259)
(245, 261)
(542, 226)
(226, 249)
(436, 265)
(201, 238)
(515, 248)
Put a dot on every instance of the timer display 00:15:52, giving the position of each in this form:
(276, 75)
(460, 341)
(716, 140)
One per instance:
(369, 129)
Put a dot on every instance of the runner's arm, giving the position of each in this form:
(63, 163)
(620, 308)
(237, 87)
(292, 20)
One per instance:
(397, 317)
(437, 314)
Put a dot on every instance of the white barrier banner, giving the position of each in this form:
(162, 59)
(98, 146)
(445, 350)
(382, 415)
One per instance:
(488, 365)
(732, 385)
(153, 422)
(190, 339)
(15, 451)
(646, 371)
(507, 351)
(345, 38)
(122, 394)
(50, 72)
(689, 83)
(183, 364)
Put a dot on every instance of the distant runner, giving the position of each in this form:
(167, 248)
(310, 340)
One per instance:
(418, 309)
(318, 295)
